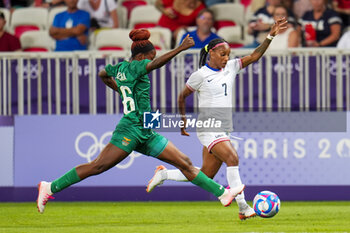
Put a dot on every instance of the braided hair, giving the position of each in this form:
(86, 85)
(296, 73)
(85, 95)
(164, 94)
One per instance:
(140, 43)
(205, 50)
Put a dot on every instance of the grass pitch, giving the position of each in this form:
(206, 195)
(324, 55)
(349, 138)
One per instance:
(170, 217)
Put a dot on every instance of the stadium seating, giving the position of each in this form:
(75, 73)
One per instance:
(52, 13)
(122, 13)
(113, 39)
(228, 14)
(248, 39)
(7, 17)
(144, 17)
(36, 41)
(233, 35)
(28, 19)
(160, 37)
(131, 4)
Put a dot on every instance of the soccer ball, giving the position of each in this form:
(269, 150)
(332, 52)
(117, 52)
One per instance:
(266, 204)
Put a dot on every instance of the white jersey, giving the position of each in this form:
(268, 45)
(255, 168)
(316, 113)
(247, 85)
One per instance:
(100, 14)
(215, 89)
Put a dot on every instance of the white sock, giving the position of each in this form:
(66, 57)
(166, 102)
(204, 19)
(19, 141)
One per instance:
(233, 179)
(176, 175)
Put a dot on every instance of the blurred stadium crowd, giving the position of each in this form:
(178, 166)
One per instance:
(70, 25)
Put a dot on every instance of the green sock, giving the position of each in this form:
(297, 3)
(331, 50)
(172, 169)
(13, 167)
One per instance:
(65, 181)
(208, 184)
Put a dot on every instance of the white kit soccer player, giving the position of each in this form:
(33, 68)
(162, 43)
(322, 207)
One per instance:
(214, 88)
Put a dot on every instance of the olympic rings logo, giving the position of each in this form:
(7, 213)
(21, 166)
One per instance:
(97, 146)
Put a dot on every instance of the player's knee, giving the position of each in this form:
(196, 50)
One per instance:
(232, 159)
(186, 163)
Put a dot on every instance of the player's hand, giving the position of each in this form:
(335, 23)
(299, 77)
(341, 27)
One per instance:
(279, 26)
(188, 42)
(184, 132)
(183, 129)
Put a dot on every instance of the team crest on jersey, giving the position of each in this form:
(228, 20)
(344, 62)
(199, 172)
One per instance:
(126, 141)
(121, 76)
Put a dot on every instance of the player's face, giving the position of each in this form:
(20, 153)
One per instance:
(219, 56)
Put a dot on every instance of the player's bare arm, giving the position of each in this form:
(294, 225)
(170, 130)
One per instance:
(162, 60)
(279, 25)
(182, 107)
(109, 81)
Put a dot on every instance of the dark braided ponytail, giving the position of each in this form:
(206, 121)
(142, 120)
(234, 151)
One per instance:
(205, 50)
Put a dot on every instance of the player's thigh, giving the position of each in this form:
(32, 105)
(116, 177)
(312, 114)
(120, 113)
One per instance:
(122, 143)
(211, 163)
(153, 146)
(210, 139)
(172, 155)
(111, 155)
(225, 152)
(125, 139)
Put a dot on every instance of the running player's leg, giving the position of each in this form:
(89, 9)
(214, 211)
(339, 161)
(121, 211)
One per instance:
(159, 147)
(225, 152)
(210, 167)
(174, 156)
(109, 157)
(211, 164)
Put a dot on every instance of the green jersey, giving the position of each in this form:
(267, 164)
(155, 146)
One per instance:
(133, 87)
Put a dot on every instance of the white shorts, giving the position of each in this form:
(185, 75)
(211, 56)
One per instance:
(210, 139)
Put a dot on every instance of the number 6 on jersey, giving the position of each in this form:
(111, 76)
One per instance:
(127, 99)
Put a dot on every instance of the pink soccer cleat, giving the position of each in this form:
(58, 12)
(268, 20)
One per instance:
(157, 179)
(227, 197)
(44, 195)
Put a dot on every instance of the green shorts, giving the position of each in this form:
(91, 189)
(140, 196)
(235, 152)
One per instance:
(145, 141)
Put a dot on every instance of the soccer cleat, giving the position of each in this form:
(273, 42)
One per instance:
(237, 190)
(246, 213)
(157, 179)
(227, 197)
(44, 195)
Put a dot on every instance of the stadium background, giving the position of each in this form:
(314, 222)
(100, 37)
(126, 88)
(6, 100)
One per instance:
(56, 113)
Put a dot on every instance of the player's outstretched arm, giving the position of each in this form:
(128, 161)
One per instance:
(109, 81)
(182, 107)
(162, 60)
(279, 25)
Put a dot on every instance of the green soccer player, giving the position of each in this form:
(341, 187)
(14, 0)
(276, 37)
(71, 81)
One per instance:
(132, 83)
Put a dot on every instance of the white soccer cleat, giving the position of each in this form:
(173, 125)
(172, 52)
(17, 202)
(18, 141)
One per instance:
(237, 190)
(227, 197)
(157, 179)
(44, 195)
(246, 213)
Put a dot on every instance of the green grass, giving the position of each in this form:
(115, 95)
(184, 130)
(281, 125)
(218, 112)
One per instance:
(170, 217)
